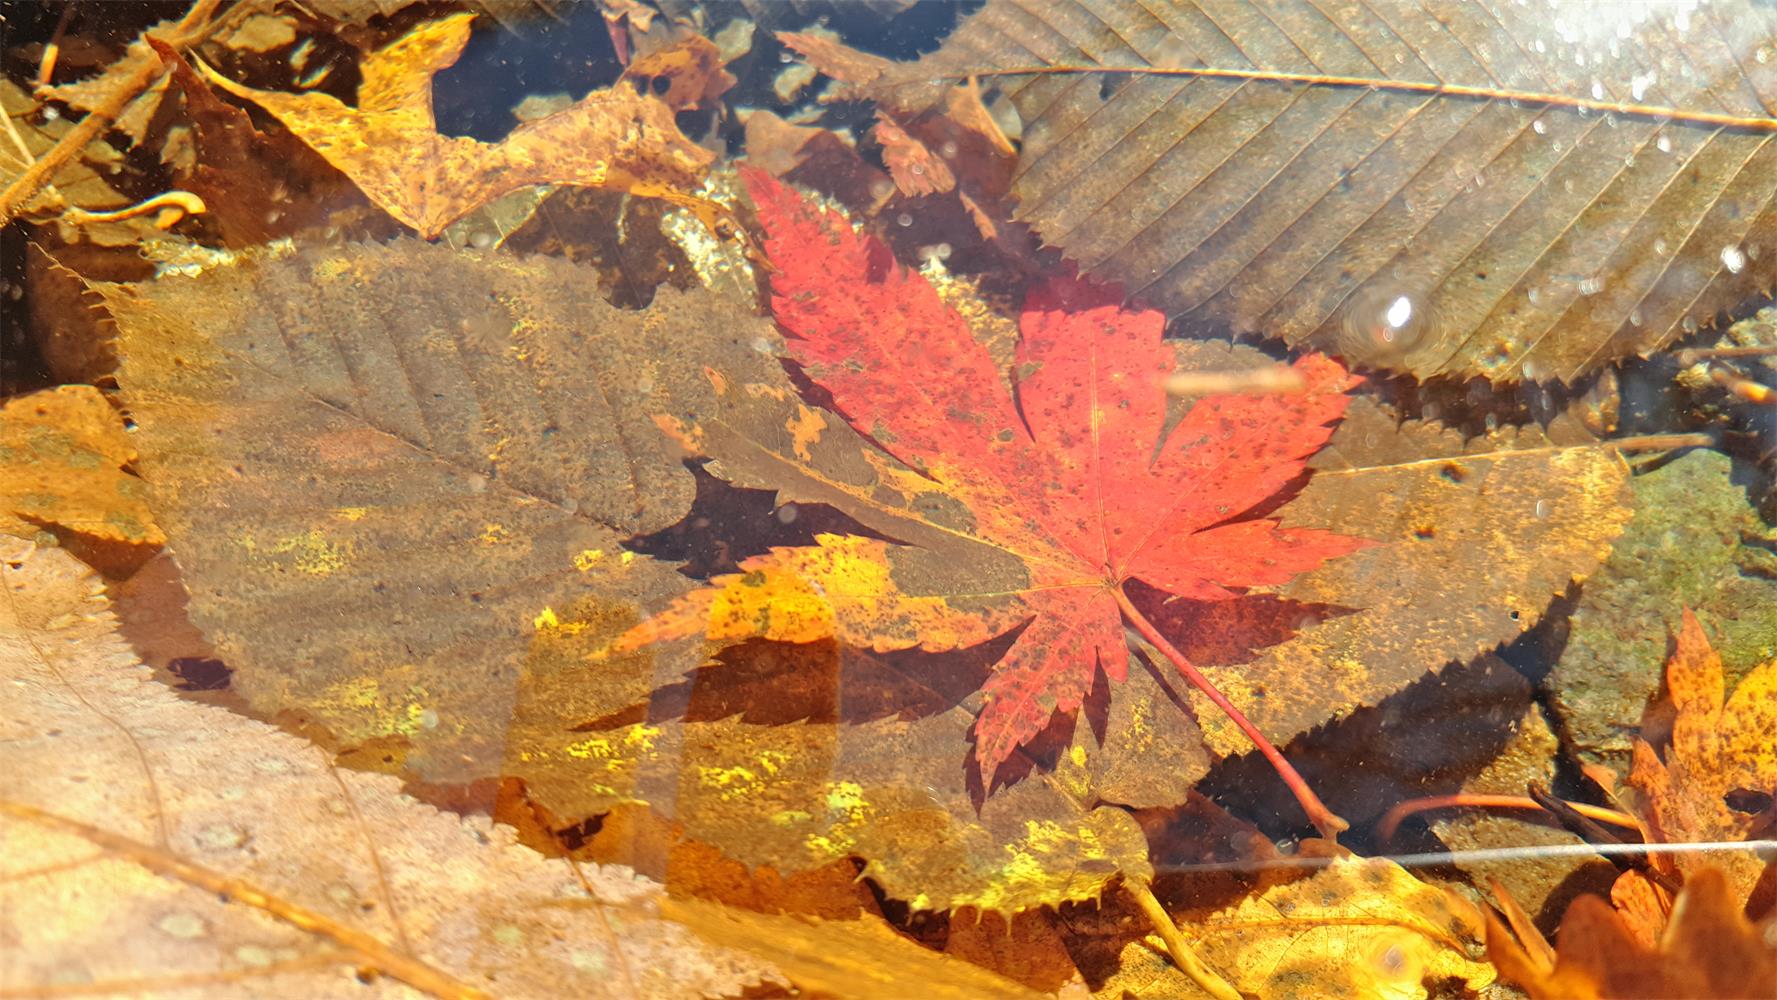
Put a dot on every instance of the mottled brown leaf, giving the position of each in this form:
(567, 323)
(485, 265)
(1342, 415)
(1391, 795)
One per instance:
(381, 467)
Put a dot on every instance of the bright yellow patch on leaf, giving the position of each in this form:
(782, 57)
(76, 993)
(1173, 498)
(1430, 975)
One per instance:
(840, 588)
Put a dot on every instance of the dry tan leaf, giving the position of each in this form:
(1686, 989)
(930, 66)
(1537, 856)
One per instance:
(62, 458)
(1362, 927)
(390, 146)
(199, 850)
(856, 959)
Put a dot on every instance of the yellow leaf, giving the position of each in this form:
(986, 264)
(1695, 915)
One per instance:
(1362, 927)
(62, 456)
(389, 145)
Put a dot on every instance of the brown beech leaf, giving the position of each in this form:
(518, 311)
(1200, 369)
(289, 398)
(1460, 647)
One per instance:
(389, 144)
(62, 458)
(156, 845)
(1709, 950)
(1532, 239)
(380, 467)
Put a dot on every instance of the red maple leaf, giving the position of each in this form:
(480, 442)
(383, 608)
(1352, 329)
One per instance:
(1073, 474)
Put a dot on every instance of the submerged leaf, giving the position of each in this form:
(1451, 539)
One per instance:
(1528, 240)
(1709, 950)
(383, 469)
(215, 856)
(1052, 499)
(1721, 746)
(63, 453)
(390, 146)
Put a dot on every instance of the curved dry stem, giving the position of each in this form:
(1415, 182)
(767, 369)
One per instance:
(1176, 945)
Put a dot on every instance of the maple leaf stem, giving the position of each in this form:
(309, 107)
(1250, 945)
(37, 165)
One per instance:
(1325, 820)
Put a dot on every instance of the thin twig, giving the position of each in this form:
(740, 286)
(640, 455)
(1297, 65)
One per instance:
(1325, 820)
(367, 948)
(1544, 98)
(192, 28)
(1392, 820)
(1176, 945)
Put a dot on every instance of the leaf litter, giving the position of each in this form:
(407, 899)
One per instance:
(805, 618)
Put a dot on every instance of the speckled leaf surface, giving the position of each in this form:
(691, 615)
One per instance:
(344, 869)
(1480, 536)
(380, 468)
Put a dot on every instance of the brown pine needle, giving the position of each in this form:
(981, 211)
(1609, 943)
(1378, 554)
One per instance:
(1544, 98)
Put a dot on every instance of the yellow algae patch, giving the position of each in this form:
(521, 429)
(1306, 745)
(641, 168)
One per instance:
(405, 714)
(842, 587)
(351, 513)
(586, 559)
(494, 534)
(595, 748)
(312, 553)
(627, 558)
(731, 783)
(847, 811)
(545, 619)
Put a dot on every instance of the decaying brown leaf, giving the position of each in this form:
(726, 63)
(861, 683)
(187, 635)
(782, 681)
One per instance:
(62, 458)
(791, 757)
(1720, 745)
(78, 184)
(390, 146)
(1484, 534)
(1531, 240)
(1709, 950)
(154, 845)
(383, 468)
